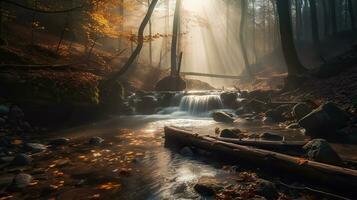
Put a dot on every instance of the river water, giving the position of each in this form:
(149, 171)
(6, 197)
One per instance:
(158, 172)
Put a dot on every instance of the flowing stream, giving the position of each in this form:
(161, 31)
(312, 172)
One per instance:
(162, 173)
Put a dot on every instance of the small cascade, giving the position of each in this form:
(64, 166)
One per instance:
(200, 104)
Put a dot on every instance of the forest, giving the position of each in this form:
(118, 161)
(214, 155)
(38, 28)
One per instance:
(178, 99)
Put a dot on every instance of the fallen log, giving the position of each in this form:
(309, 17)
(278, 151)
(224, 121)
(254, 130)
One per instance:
(336, 178)
(294, 147)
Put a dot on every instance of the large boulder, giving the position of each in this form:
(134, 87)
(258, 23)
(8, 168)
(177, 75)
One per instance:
(278, 114)
(301, 110)
(320, 150)
(222, 117)
(324, 121)
(255, 105)
(147, 105)
(170, 83)
(229, 99)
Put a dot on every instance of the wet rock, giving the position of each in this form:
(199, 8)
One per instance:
(165, 99)
(16, 113)
(2, 122)
(4, 110)
(147, 105)
(21, 160)
(35, 147)
(222, 117)
(59, 142)
(271, 137)
(186, 151)
(324, 121)
(230, 133)
(301, 110)
(205, 187)
(96, 141)
(255, 106)
(266, 189)
(320, 150)
(21, 181)
(229, 99)
(6, 159)
(278, 114)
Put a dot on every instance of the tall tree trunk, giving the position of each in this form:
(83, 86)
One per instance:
(1, 23)
(326, 18)
(241, 37)
(121, 25)
(352, 15)
(140, 44)
(333, 16)
(314, 23)
(150, 41)
(298, 20)
(287, 41)
(254, 33)
(175, 38)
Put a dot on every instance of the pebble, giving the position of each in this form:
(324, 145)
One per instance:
(21, 160)
(35, 147)
(21, 181)
(96, 141)
(59, 142)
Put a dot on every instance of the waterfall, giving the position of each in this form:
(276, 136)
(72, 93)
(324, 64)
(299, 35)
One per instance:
(200, 104)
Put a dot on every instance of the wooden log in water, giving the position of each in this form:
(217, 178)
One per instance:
(334, 177)
(294, 147)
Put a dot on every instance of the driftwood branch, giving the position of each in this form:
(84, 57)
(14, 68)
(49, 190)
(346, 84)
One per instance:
(337, 178)
(11, 2)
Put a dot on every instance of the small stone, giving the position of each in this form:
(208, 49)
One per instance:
(35, 147)
(266, 189)
(96, 141)
(205, 187)
(186, 151)
(271, 137)
(21, 181)
(6, 159)
(230, 133)
(59, 142)
(21, 160)
(320, 150)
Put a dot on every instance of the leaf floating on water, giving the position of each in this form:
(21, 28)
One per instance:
(17, 142)
(95, 196)
(109, 186)
(7, 197)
